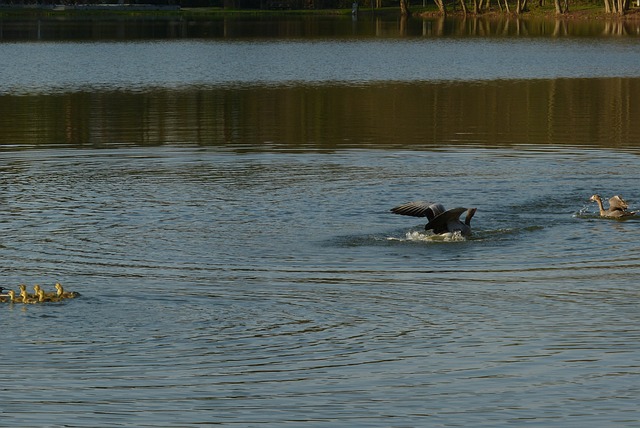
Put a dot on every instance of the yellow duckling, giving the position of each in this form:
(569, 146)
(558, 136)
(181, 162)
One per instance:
(65, 294)
(13, 298)
(26, 298)
(23, 298)
(37, 289)
(42, 297)
(23, 290)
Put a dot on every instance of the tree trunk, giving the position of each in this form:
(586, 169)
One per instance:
(464, 7)
(621, 7)
(404, 8)
(559, 6)
(441, 8)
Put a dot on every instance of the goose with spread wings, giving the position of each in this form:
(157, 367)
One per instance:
(617, 207)
(440, 220)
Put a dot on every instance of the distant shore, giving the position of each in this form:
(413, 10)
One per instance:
(580, 11)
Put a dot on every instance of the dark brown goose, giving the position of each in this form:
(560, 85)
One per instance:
(617, 207)
(440, 220)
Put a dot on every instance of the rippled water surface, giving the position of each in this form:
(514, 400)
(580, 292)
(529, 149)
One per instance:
(268, 287)
(238, 262)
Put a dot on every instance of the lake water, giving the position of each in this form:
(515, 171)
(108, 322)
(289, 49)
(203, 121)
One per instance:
(223, 208)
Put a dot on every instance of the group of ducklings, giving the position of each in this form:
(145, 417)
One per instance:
(39, 295)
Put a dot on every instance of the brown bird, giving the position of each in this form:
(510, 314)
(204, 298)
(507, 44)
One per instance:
(617, 207)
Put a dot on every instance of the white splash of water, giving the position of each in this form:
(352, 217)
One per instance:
(430, 237)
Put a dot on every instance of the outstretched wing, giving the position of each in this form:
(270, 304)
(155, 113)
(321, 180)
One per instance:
(417, 209)
(617, 203)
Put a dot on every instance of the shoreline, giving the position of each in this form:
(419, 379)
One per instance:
(580, 11)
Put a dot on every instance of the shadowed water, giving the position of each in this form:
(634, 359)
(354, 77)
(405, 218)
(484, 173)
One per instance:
(239, 264)
(367, 25)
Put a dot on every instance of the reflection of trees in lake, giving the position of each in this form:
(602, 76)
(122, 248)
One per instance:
(600, 112)
(521, 26)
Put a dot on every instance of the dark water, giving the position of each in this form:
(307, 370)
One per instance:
(231, 235)
(367, 25)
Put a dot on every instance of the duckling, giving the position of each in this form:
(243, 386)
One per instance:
(23, 298)
(13, 298)
(23, 290)
(617, 207)
(42, 297)
(65, 294)
(37, 289)
(26, 298)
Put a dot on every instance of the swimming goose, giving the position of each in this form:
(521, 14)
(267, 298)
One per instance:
(440, 220)
(617, 207)
(65, 294)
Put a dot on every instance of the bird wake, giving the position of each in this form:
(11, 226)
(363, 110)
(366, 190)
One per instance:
(416, 236)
